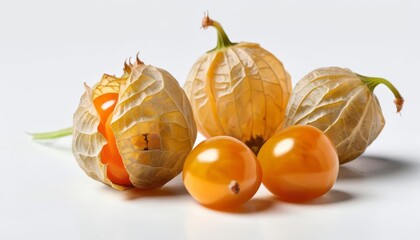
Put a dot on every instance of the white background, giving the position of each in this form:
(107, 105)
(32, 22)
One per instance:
(49, 48)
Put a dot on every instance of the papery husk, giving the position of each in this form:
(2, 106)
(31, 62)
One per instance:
(150, 102)
(241, 91)
(336, 101)
(87, 141)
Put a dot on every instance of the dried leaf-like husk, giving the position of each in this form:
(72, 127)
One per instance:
(150, 102)
(240, 91)
(336, 101)
(87, 141)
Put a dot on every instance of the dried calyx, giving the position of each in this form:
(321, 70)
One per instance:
(128, 66)
(239, 90)
(132, 131)
(342, 104)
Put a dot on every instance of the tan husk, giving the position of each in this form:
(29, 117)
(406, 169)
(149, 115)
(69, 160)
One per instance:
(87, 141)
(240, 90)
(151, 103)
(336, 101)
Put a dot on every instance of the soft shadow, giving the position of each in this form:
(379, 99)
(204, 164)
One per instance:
(167, 191)
(333, 196)
(57, 144)
(369, 166)
(254, 205)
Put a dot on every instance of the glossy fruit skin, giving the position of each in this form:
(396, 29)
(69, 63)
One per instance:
(116, 172)
(299, 163)
(222, 172)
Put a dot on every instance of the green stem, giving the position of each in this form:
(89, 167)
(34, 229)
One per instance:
(222, 38)
(372, 82)
(52, 135)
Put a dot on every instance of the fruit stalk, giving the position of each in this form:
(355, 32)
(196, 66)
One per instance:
(223, 40)
(52, 135)
(372, 82)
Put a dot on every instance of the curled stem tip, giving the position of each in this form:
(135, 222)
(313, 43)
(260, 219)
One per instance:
(52, 135)
(223, 40)
(372, 82)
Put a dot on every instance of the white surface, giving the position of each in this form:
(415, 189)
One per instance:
(49, 48)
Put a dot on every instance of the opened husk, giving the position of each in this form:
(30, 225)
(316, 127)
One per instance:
(150, 103)
(342, 104)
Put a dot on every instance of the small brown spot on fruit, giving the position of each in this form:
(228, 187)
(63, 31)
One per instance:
(234, 187)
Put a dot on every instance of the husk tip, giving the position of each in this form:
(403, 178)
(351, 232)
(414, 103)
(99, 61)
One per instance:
(138, 61)
(127, 66)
